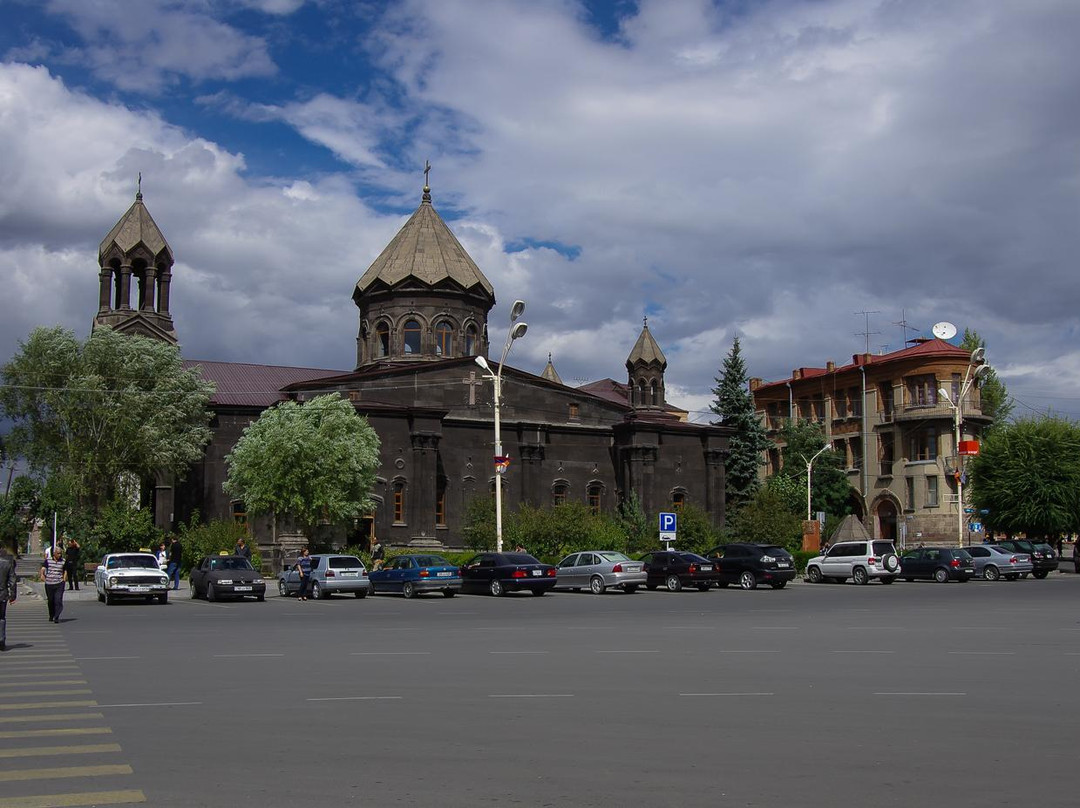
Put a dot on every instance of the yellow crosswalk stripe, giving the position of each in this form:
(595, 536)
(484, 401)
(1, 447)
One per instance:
(50, 683)
(46, 705)
(46, 751)
(75, 800)
(52, 733)
(62, 771)
(68, 692)
(11, 719)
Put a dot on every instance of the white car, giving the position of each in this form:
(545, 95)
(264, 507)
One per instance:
(861, 561)
(130, 575)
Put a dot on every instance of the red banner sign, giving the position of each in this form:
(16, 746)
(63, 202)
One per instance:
(969, 447)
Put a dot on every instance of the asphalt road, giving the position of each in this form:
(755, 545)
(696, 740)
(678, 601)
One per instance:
(918, 693)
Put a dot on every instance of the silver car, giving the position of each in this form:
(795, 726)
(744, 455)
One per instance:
(993, 562)
(331, 574)
(598, 570)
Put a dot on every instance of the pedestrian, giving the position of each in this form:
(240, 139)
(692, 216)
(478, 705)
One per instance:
(162, 557)
(378, 555)
(520, 549)
(9, 590)
(176, 555)
(72, 556)
(303, 569)
(1076, 556)
(53, 571)
(241, 549)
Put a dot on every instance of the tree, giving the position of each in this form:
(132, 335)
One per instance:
(639, 532)
(735, 406)
(830, 490)
(313, 462)
(994, 397)
(1027, 477)
(769, 519)
(101, 411)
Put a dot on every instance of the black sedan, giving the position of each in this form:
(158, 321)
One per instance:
(226, 576)
(675, 570)
(750, 564)
(499, 573)
(941, 564)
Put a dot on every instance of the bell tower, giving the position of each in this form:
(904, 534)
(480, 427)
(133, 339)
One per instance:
(645, 366)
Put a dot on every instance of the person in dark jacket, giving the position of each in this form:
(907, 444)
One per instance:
(9, 590)
(303, 569)
(241, 549)
(176, 555)
(72, 560)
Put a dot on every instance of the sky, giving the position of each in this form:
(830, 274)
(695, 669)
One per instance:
(803, 175)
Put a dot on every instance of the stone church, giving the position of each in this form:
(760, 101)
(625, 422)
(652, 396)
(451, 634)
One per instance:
(423, 307)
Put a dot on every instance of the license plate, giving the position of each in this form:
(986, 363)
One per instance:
(783, 564)
(242, 588)
(706, 567)
(633, 569)
(348, 575)
(443, 574)
(137, 589)
(537, 572)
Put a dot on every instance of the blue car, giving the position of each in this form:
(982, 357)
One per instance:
(413, 574)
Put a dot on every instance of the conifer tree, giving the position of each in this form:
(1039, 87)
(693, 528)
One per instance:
(735, 406)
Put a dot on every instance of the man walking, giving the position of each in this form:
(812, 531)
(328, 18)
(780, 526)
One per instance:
(53, 570)
(9, 590)
(176, 555)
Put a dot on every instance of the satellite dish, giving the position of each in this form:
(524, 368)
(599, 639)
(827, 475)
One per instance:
(944, 330)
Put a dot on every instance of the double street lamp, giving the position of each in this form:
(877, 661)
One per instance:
(517, 331)
(976, 369)
(809, 468)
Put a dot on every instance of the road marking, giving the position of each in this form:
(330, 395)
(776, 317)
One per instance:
(98, 658)
(748, 693)
(232, 656)
(11, 719)
(913, 693)
(41, 664)
(62, 771)
(50, 733)
(74, 800)
(862, 652)
(43, 705)
(984, 653)
(153, 704)
(628, 652)
(45, 655)
(357, 698)
(749, 651)
(36, 683)
(46, 693)
(516, 652)
(44, 751)
(390, 653)
(530, 695)
(776, 628)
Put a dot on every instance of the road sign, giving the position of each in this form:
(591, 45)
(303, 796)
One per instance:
(969, 510)
(668, 523)
(976, 527)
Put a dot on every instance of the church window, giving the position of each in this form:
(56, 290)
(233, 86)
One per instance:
(575, 412)
(470, 340)
(444, 339)
(678, 500)
(411, 337)
(593, 496)
(239, 512)
(440, 502)
(382, 340)
(655, 398)
(399, 501)
(641, 393)
(559, 490)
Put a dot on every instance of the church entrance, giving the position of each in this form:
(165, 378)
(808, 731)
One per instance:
(886, 519)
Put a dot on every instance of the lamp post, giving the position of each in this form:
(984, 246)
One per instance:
(517, 331)
(809, 468)
(978, 362)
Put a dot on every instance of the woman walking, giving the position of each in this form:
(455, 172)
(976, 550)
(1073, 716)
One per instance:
(53, 571)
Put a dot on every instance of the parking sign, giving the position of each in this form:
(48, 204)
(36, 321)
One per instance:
(668, 522)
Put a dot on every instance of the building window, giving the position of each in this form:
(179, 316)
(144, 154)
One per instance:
(641, 393)
(910, 493)
(678, 500)
(399, 502)
(655, 395)
(885, 391)
(924, 444)
(239, 512)
(856, 454)
(444, 339)
(931, 492)
(411, 337)
(382, 340)
(922, 391)
(575, 412)
(440, 502)
(470, 340)
(855, 407)
(593, 495)
(559, 491)
(887, 451)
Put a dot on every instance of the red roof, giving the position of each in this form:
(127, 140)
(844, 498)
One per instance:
(244, 385)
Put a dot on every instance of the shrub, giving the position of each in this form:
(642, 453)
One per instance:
(120, 529)
(199, 540)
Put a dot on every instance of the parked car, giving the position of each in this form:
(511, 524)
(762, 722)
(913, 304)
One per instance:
(941, 564)
(499, 573)
(330, 575)
(130, 575)
(750, 564)
(224, 576)
(1043, 562)
(993, 562)
(412, 575)
(599, 570)
(675, 569)
(861, 561)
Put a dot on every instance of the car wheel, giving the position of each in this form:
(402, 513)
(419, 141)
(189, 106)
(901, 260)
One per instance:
(539, 592)
(1041, 574)
(100, 597)
(261, 597)
(859, 576)
(704, 587)
(109, 599)
(747, 580)
(211, 595)
(496, 588)
(192, 591)
(782, 584)
(890, 562)
(630, 589)
(673, 583)
(317, 591)
(282, 590)
(163, 598)
(888, 579)
(813, 575)
(597, 585)
(941, 575)
(448, 593)
(991, 573)
(408, 589)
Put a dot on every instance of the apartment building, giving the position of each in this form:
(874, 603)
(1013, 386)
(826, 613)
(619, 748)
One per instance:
(885, 415)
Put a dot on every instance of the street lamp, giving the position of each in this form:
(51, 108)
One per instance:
(978, 362)
(809, 467)
(517, 331)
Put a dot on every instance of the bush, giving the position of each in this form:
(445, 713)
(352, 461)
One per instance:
(120, 529)
(199, 540)
(767, 519)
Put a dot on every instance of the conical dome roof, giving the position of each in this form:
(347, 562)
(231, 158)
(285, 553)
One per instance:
(550, 373)
(136, 227)
(646, 350)
(426, 250)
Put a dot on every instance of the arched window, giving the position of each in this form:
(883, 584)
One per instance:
(382, 340)
(399, 501)
(559, 490)
(444, 339)
(641, 393)
(470, 340)
(678, 499)
(411, 337)
(594, 495)
(440, 502)
(239, 512)
(655, 398)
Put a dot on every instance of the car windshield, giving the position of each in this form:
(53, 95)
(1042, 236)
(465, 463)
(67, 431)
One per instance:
(776, 552)
(133, 562)
(883, 547)
(345, 563)
(614, 557)
(519, 558)
(432, 561)
(230, 564)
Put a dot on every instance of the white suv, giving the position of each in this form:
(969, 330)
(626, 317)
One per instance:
(858, 560)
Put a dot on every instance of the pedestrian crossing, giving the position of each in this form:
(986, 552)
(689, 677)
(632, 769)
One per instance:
(56, 749)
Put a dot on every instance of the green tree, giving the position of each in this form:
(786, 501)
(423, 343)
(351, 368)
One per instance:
(1027, 477)
(830, 489)
(640, 534)
(103, 411)
(769, 519)
(993, 395)
(735, 406)
(312, 462)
